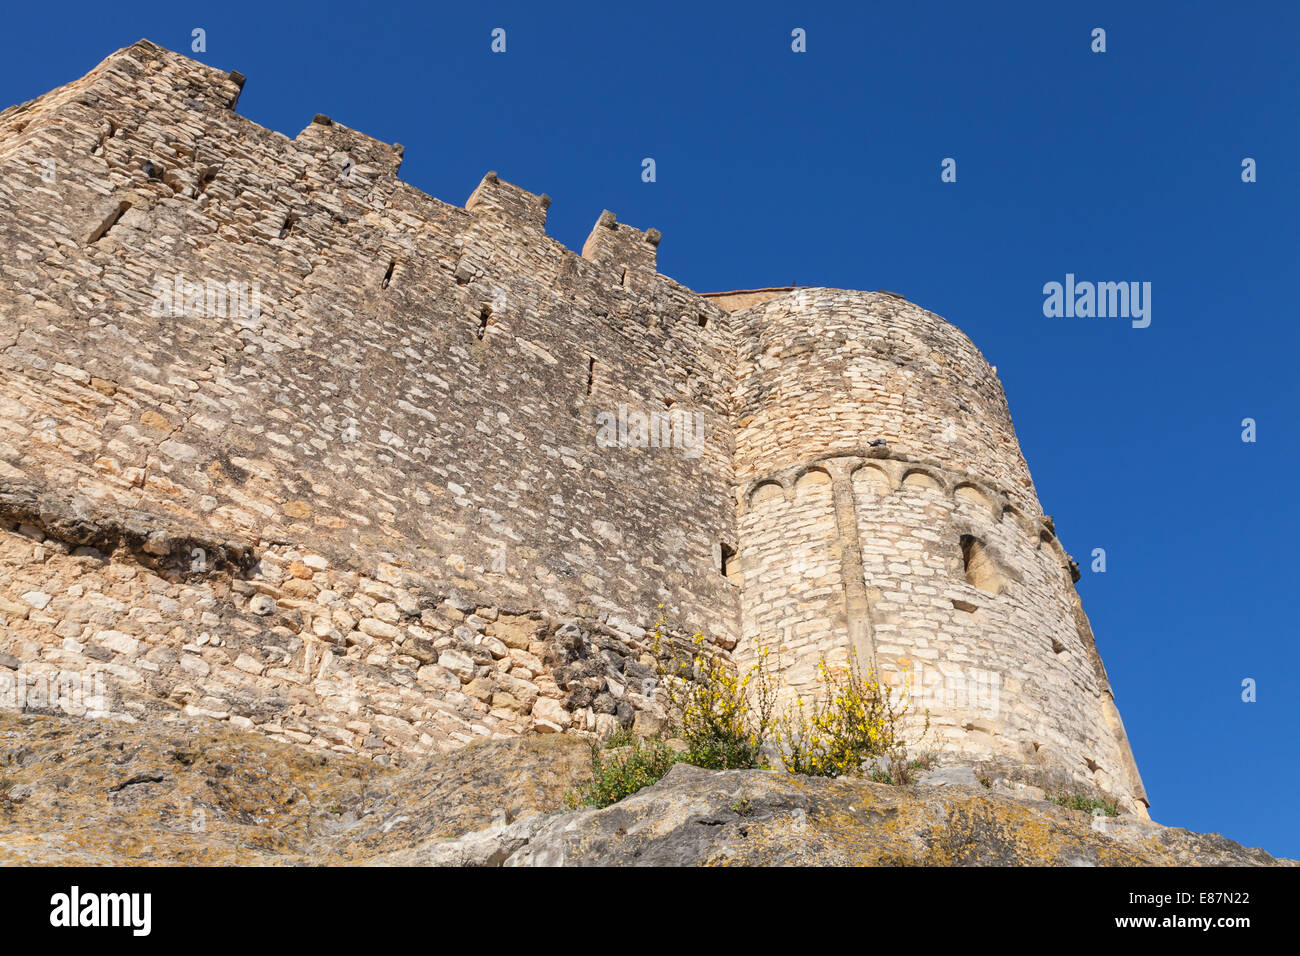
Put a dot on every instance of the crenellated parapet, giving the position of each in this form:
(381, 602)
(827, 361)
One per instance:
(396, 402)
(358, 157)
(615, 244)
(493, 196)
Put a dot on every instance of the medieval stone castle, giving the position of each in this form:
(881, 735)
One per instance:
(287, 443)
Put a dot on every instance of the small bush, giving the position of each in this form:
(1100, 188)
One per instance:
(622, 771)
(853, 729)
(621, 737)
(1109, 806)
(723, 717)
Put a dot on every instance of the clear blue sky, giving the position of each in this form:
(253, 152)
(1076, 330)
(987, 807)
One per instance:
(823, 168)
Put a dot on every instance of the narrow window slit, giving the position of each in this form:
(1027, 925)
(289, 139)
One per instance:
(702, 320)
(726, 559)
(388, 276)
(591, 374)
(980, 570)
(483, 316)
(288, 224)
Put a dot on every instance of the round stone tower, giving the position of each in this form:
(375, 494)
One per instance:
(885, 510)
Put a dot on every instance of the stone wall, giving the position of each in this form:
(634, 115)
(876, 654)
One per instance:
(287, 443)
(370, 662)
(416, 379)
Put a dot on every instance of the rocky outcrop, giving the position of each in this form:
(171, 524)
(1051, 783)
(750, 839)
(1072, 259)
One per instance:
(189, 791)
(697, 817)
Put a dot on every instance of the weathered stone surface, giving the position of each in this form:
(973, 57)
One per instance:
(948, 776)
(191, 791)
(697, 817)
(225, 797)
(549, 716)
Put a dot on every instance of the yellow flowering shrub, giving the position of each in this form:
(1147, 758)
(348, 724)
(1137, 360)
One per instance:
(724, 717)
(854, 728)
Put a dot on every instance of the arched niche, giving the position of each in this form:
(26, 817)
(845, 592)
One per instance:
(979, 567)
(967, 492)
(765, 492)
(871, 481)
(922, 480)
(813, 481)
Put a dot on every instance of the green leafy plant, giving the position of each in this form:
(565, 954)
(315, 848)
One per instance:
(623, 770)
(621, 737)
(1109, 806)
